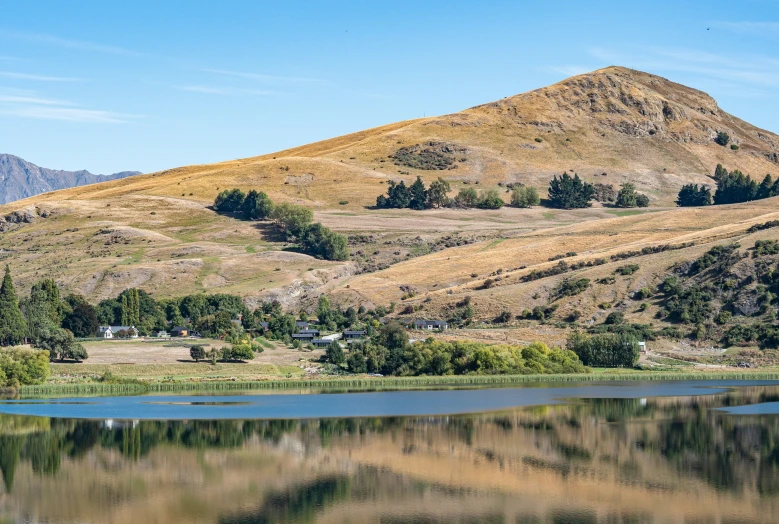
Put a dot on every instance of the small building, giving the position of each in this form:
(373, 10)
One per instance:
(303, 337)
(105, 332)
(354, 335)
(314, 332)
(162, 334)
(431, 325)
(264, 326)
(123, 332)
(179, 331)
(321, 342)
(303, 324)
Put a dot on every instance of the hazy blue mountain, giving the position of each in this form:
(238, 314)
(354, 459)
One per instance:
(20, 179)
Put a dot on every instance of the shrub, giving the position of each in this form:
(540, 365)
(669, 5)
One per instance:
(197, 352)
(570, 287)
(642, 294)
(467, 197)
(642, 200)
(539, 140)
(489, 199)
(605, 350)
(19, 367)
(615, 317)
(734, 147)
(722, 138)
(431, 156)
(627, 270)
(604, 192)
(523, 196)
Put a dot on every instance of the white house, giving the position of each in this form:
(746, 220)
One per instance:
(431, 324)
(114, 331)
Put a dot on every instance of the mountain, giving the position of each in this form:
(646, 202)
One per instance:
(157, 231)
(21, 179)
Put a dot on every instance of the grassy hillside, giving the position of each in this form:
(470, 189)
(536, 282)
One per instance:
(157, 232)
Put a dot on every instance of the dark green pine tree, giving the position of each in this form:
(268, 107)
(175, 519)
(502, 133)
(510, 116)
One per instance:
(418, 194)
(569, 192)
(766, 188)
(12, 325)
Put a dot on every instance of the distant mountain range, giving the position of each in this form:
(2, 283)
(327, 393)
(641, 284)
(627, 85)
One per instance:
(20, 179)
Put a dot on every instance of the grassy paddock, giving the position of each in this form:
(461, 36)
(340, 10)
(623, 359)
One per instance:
(385, 382)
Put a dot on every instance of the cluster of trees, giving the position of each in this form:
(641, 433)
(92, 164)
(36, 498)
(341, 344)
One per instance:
(565, 192)
(693, 196)
(19, 367)
(732, 188)
(389, 352)
(608, 350)
(627, 197)
(39, 319)
(569, 192)
(485, 199)
(416, 196)
(295, 222)
(239, 352)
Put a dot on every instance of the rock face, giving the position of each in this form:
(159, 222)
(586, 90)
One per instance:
(20, 179)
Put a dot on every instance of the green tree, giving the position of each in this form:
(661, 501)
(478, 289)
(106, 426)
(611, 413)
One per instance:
(81, 319)
(691, 195)
(467, 197)
(324, 311)
(722, 138)
(335, 354)
(197, 352)
(291, 219)
(524, 196)
(627, 195)
(766, 189)
(418, 194)
(37, 312)
(257, 205)
(61, 344)
(437, 194)
(569, 192)
(13, 327)
(489, 199)
(229, 201)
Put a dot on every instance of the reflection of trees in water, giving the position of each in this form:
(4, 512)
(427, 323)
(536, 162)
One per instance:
(298, 503)
(730, 453)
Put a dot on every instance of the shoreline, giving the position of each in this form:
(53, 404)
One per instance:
(333, 384)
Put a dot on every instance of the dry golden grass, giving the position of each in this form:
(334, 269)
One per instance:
(169, 243)
(443, 279)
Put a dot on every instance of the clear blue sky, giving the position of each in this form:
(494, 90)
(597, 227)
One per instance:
(109, 86)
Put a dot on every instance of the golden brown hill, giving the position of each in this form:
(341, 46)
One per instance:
(155, 231)
(630, 125)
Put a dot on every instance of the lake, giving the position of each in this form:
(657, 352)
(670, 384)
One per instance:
(664, 452)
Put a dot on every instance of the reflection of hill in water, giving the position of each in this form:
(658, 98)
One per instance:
(605, 460)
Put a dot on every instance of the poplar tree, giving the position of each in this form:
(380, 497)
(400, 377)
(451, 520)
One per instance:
(12, 325)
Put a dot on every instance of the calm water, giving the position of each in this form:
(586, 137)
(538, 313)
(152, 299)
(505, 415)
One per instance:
(633, 453)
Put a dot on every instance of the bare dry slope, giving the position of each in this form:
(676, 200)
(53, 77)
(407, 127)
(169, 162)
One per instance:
(613, 125)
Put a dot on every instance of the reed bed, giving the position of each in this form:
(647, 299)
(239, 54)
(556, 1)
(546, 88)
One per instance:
(379, 382)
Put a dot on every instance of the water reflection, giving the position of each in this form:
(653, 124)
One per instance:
(600, 460)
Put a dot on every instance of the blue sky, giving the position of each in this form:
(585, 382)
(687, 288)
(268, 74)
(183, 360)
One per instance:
(109, 86)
